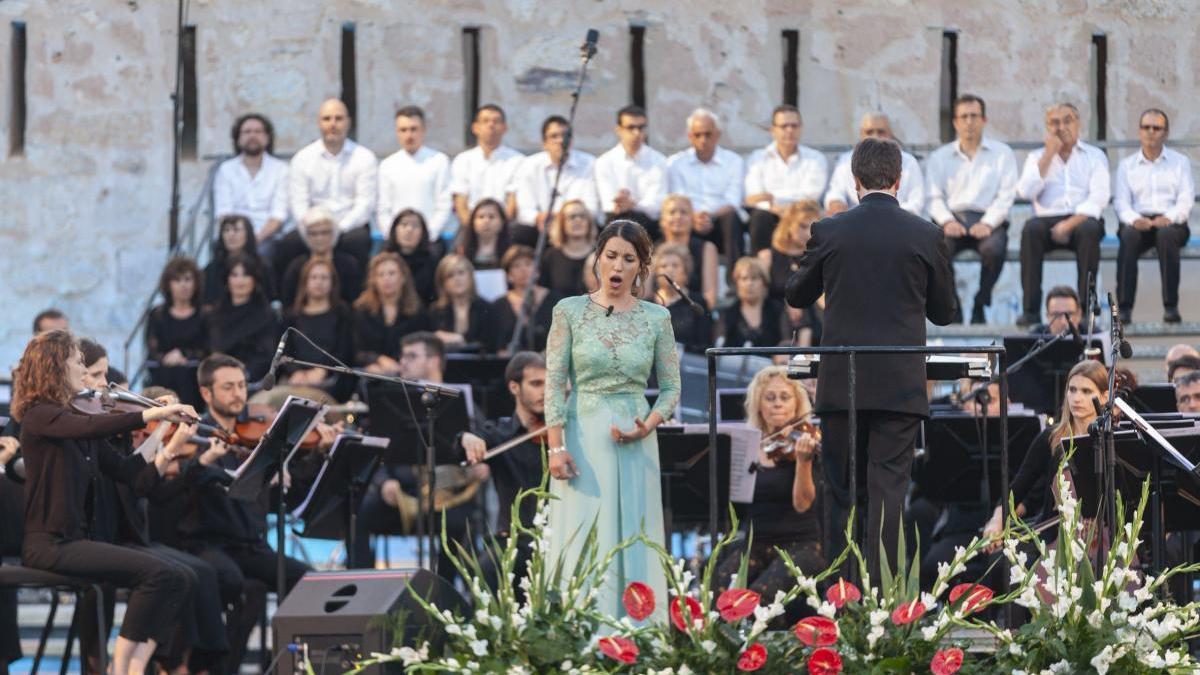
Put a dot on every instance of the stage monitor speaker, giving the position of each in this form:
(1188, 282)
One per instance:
(344, 616)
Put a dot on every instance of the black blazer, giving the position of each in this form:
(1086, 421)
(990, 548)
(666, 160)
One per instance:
(883, 271)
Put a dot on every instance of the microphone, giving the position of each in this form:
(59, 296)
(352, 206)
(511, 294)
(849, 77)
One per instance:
(268, 381)
(588, 49)
(696, 308)
(1118, 330)
(610, 310)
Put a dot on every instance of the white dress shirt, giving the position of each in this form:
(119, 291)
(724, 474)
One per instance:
(346, 183)
(260, 197)
(1163, 186)
(535, 178)
(986, 182)
(801, 176)
(478, 177)
(912, 184)
(644, 175)
(418, 181)
(710, 185)
(1078, 186)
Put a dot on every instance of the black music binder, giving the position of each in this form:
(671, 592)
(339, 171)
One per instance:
(1039, 383)
(329, 510)
(951, 470)
(684, 463)
(295, 419)
(398, 414)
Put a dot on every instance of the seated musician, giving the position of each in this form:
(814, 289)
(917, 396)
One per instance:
(1187, 392)
(520, 467)
(783, 515)
(394, 503)
(1062, 305)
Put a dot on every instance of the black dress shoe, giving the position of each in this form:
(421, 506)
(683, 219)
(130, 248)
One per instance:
(1171, 315)
(1027, 319)
(1126, 315)
(977, 316)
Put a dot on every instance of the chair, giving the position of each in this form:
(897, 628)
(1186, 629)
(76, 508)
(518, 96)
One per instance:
(24, 577)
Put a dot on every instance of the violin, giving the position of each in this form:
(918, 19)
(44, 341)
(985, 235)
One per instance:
(779, 446)
(248, 432)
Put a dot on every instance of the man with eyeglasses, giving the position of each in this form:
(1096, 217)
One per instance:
(1067, 180)
(971, 184)
(1153, 195)
(534, 181)
(843, 195)
(631, 178)
(1187, 392)
(781, 173)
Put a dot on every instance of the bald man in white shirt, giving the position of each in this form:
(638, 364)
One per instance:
(1153, 196)
(1067, 180)
(842, 194)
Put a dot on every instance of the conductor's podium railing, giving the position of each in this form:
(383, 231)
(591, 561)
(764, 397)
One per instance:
(938, 367)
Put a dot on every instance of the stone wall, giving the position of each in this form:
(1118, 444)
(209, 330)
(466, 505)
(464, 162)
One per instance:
(85, 208)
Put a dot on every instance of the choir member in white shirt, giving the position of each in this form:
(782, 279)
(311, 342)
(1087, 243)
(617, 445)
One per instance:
(534, 182)
(1067, 180)
(631, 179)
(254, 183)
(711, 177)
(415, 177)
(335, 172)
(1153, 196)
(485, 171)
(842, 194)
(780, 174)
(971, 184)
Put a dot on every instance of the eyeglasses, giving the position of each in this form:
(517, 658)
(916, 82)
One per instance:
(1152, 127)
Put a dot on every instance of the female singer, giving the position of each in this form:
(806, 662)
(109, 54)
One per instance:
(460, 317)
(677, 219)
(237, 236)
(1032, 488)
(63, 451)
(387, 310)
(692, 328)
(518, 268)
(243, 324)
(753, 318)
(176, 330)
(484, 241)
(603, 448)
(409, 237)
(781, 517)
(572, 233)
(320, 314)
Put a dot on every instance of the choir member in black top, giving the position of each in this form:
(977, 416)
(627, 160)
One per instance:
(320, 234)
(12, 508)
(409, 237)
(236, 237)
(783, 515)
(387, 310)
(572, 235)
(518, 268)
(693, 329)
(678, 219)
(243, 324)
(484, 240)
(460, 317)
(319, 313)
(177, 330)
(753, 318)
(782, 259)
(64, 453)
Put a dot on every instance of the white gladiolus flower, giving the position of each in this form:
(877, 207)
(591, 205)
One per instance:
(454, 629)
(827, 610)
(479, 647)
(708, 646)
(874, 635)
(878, 616)
(1104, 660)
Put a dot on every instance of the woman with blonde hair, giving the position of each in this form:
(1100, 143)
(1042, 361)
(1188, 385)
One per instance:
(459, 315)
(677, 221)
(572, 233)
(386, 310)
(753, 318)
(782, 259)
(692, 323)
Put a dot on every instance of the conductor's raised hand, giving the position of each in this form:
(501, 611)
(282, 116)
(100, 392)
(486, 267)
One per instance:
(562, 465)
(640, 430)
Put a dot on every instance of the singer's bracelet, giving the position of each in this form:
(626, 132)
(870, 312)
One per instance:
(557, 449)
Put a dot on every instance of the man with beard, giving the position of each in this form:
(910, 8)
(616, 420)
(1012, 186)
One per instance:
(253, 183)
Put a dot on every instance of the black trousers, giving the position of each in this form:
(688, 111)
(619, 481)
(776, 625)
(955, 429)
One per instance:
(10, 634)
(884, 457)
(1134, 242)
(159, 588)
(727, 233)
(991, 249)
(651, 225)
(762, 226)
(375, 516)
(1035, 241)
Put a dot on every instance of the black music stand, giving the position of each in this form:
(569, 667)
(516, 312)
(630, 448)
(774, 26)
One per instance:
(684, 460)
(485, 374)
(731, 404)
(952, 469)
(330, 511)
(1154, 398)
(1038, 383)
(295, 419)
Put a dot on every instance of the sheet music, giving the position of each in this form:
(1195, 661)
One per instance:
(744, 441)
(312, 423)
(490, 284)
(371, 441)
(1150, 431)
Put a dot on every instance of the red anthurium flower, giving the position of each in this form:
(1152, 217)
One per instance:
(842, 592)
(639, 600)
(753, 658)
(946, 661)
(976, 597)
(693, 610)
(817, 631)
(619, 648)
(736, 604)
(824, 661)
(908, 612)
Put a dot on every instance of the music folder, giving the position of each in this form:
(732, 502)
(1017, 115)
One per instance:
(296, 418)
(325, 511)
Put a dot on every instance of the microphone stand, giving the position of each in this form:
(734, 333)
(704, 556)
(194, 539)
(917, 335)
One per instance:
(431, 397)
(1094, 300)
(1105, 443)
(524, 319)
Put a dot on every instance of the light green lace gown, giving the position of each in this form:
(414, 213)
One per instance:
(605, 361)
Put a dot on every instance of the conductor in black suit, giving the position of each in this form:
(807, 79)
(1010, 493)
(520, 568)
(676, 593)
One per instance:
(883, 271)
